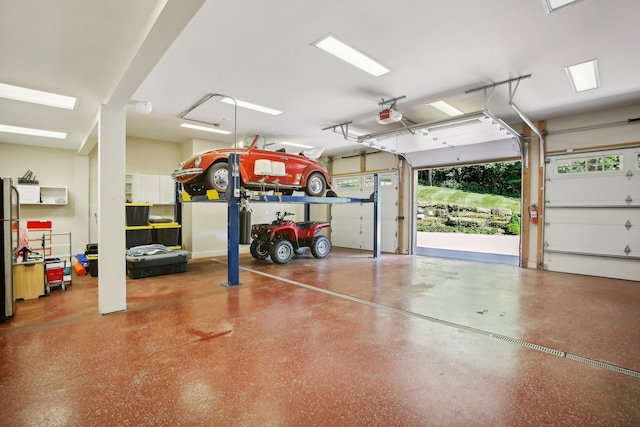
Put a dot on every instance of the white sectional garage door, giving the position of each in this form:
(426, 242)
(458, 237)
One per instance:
(352, 223)
(592, 213)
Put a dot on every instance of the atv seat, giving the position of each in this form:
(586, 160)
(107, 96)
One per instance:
(304, 225)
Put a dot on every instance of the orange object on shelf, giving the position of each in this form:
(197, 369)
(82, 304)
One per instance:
(79, 269)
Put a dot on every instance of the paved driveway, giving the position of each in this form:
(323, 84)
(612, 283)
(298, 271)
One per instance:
(496, 244)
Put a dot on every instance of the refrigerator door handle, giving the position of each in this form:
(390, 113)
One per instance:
(17, 219)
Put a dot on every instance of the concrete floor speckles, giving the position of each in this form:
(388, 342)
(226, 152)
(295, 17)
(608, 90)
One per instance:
(345, 341)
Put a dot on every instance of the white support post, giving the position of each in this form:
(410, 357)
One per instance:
(112, 289)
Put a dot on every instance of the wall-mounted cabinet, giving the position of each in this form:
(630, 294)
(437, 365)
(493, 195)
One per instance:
(155, 189)
(41, 195)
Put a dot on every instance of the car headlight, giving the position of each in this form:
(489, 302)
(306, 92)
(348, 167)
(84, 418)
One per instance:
(197, 162)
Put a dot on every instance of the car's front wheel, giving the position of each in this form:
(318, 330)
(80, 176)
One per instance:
(315, 185)
(320, 247)
(259, 249)
(281, 251)
(217, 177)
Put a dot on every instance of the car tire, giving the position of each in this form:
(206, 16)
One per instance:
(259, 249)
(217, 177)
(316, 185)
(320, 247)
(281, 251)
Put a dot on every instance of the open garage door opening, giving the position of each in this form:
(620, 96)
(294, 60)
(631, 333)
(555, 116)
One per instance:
(470, 212)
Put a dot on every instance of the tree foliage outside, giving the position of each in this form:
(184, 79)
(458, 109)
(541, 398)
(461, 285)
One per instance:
(502, 178)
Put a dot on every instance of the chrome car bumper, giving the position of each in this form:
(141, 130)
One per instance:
(179, 173)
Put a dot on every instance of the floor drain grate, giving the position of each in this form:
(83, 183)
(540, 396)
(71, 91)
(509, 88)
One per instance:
(529, 345)
(603, 365)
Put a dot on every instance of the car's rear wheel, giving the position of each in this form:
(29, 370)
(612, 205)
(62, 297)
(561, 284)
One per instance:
(320, 247)
(259, 249)
(315, 185)
(281, 251)
(217, 177)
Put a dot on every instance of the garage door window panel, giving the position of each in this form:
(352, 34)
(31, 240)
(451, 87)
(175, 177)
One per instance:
(590, 164)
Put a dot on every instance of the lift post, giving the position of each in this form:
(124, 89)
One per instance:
(233, 222)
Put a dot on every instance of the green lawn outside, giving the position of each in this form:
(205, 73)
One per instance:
(451, 196)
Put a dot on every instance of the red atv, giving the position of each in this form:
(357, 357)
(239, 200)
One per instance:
(281, 239)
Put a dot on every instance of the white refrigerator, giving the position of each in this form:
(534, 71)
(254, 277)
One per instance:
(9, 232)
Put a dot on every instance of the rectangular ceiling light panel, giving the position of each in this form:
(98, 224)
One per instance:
(584, 76)
(18, 93)
(446, 108)
(251, 106)
(33, 132)
(204, 128)
(351, 55)
(551, 5)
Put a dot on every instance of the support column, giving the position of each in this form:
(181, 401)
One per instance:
(233, 216)
(112, 289)
(377, 216)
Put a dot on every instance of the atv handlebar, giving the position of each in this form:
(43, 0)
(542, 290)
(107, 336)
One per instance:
(281, 215)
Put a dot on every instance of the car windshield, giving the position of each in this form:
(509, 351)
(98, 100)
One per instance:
(289, 147)
(245, 142)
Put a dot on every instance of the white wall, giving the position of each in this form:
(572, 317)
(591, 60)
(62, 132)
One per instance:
(55, 168)
(604, 136)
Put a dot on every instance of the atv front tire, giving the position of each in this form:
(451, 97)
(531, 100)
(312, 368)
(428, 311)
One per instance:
(259, 249)
(281, 251)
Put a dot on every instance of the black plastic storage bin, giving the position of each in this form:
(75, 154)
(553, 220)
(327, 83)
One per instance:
(137, 236)
(142, 266)
(93, 265)
(137, 214)
(167, 233)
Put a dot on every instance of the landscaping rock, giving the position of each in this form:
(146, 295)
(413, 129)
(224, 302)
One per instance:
(502, 212)
(463, 222)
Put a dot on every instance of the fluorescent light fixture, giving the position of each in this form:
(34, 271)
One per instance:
(446, 108)
(293, 144)
(584, 76)
(33, 132)
(551, 5)
(351, 55)
(204, 128)
(453, 125)
(251, 106)
(37, 97)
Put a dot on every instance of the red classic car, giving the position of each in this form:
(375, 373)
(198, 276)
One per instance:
(260, 169)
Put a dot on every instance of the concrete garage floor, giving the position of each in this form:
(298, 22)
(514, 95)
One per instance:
(345, 341)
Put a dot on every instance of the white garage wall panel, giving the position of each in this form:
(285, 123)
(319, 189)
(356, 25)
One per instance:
(592, 213)
(352, 224)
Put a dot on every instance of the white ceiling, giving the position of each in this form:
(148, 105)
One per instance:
(172, 53)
